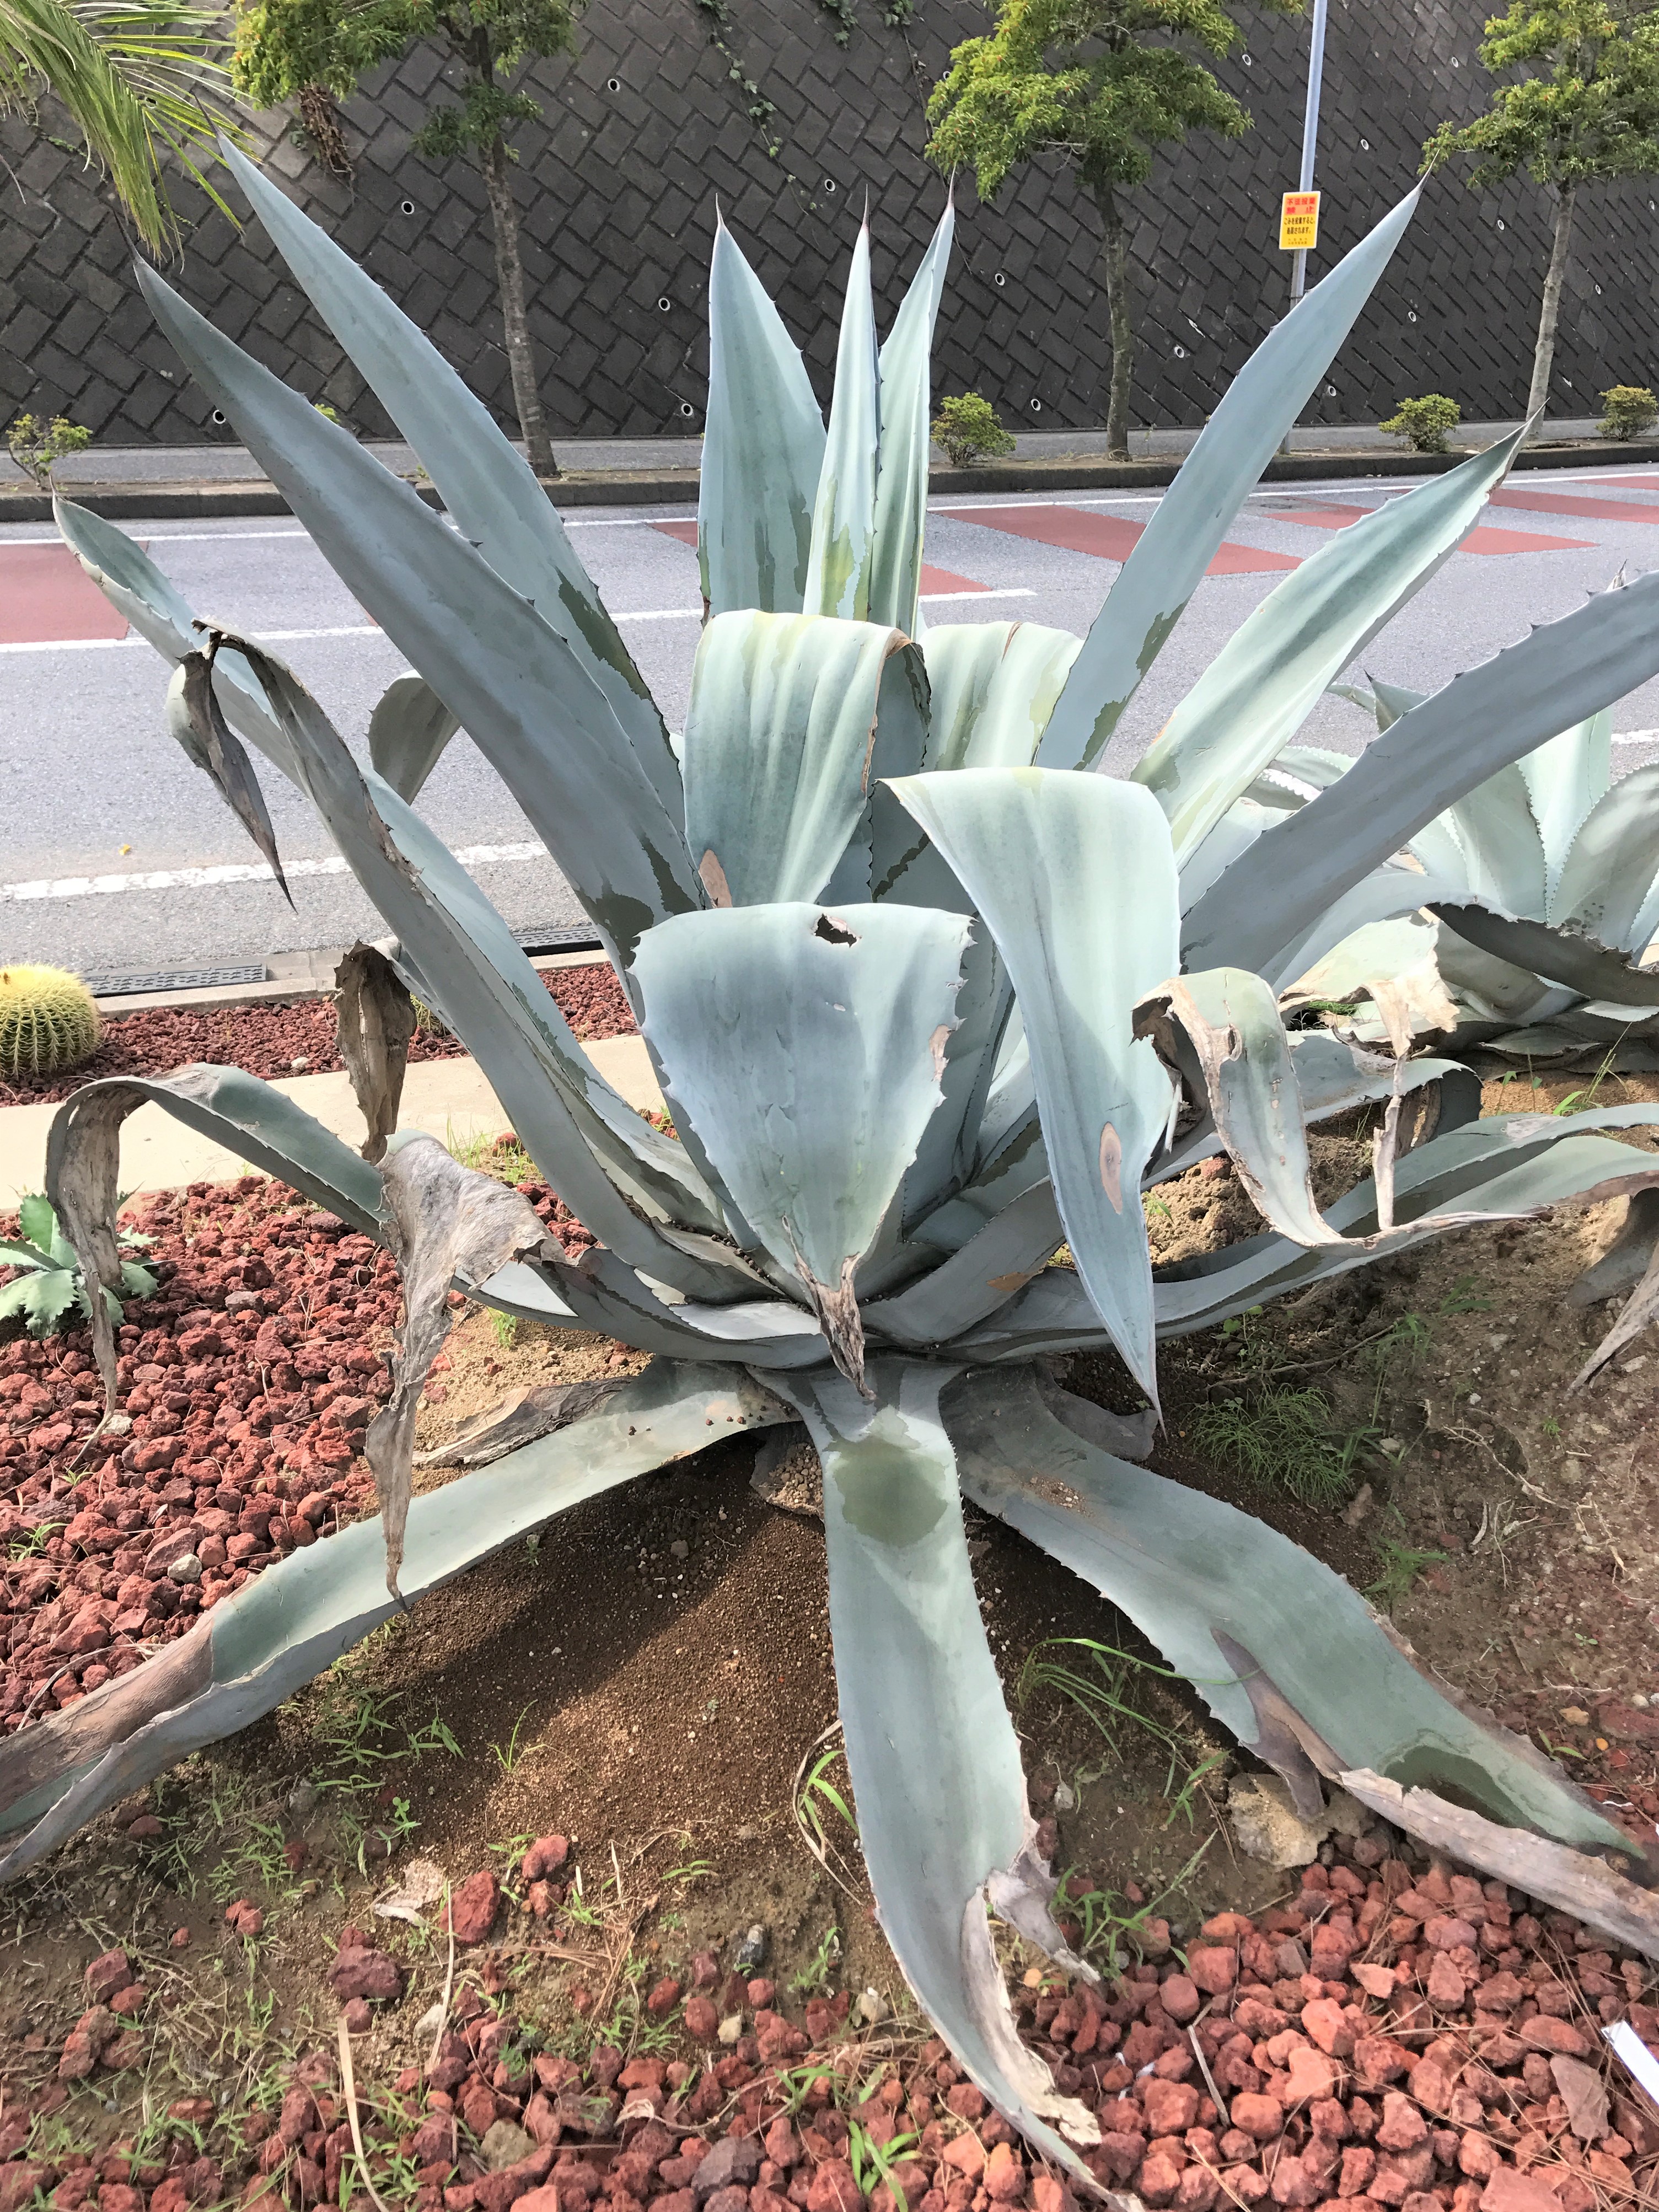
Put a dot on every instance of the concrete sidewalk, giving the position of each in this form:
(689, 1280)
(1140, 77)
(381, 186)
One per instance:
(448, 1098)
(205, 483)
(173, 467)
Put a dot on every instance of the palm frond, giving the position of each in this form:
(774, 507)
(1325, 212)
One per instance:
(138, 78)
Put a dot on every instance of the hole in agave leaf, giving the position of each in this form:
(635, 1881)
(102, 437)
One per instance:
(833, 931)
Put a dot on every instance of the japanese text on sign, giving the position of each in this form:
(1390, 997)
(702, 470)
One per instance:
(1298, 222)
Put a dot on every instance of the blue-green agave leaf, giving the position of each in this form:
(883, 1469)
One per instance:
(1220, 1029)
(993, 688)
(763, 448)
(911, 871)
(844, 514)
(514, 683)
(777, 752)
(1564, 778)
(649, 1167)
(1384, 895)
(906, 439)
(1561, 673)
(132, 583)
(1283, 1651)
(883, 843)
(1498, 836)
(760, 1333)
(537, 1069)
(258, 1122)
(1334, 1078)
(988, 1269)
(934, 1761)
(1579, 963)
(268, 1639)
(1074, 877)
(482, 479)
(837, 1023)
(1610, 865)
(1268, 677)
(1190, 521)
(407, 733)
(1502, 1166)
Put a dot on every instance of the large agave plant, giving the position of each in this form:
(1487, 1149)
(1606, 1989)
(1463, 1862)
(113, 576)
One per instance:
(926, 999)
(1544, 882)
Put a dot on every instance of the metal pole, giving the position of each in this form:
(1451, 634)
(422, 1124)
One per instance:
(1310, 139)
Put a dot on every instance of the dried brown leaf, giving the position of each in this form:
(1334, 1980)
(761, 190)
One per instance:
(442, 1221)
(376, 1018)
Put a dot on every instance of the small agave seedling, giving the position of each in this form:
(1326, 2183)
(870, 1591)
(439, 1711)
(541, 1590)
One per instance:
(1545, 880)
(926, 999)
(48, 1285)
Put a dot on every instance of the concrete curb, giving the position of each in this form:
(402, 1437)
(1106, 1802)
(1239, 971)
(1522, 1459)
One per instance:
(312, 979)
(621, 488)
(450, 1099)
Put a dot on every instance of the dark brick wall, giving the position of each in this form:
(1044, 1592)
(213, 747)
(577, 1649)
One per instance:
(617, 192)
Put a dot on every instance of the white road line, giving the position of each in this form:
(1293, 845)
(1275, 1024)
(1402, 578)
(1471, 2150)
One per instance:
(371, 629)
(1636, 737)
(265, 637)
(231, 872)
(203, 537)
(1002, 592)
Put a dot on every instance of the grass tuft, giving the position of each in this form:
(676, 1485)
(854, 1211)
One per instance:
(1284, 1440)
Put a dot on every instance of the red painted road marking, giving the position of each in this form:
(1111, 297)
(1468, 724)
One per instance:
(941, 579)
(1108, 537)
(1480, 540)
(1606, 510)
(933, 579)
(1649, 482)
(46, 595)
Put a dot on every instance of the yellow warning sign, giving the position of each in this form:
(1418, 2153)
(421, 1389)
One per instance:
(1298, 222)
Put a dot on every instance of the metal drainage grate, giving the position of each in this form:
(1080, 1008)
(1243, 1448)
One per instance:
(541, 938)
(174, 979)
(580, 939)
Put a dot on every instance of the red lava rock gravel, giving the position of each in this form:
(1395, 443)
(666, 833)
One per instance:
(267, 1041)
(1289, 2088)
(249, 1379)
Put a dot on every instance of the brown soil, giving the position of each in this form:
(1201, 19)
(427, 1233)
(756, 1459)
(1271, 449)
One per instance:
(298, 1039)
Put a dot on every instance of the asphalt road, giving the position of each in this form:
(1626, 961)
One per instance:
(95, 797)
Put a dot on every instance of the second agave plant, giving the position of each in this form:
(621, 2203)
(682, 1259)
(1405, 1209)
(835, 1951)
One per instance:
(928, 1000)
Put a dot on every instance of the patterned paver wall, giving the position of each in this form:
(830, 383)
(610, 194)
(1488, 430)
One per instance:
(648, 126)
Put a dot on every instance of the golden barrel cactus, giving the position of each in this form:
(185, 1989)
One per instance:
(48, 1022)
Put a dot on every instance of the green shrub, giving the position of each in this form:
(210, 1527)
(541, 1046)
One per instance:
(34, 444)
(1631, 410)
(48, 1022)
(1424, 422)
(968, 429)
